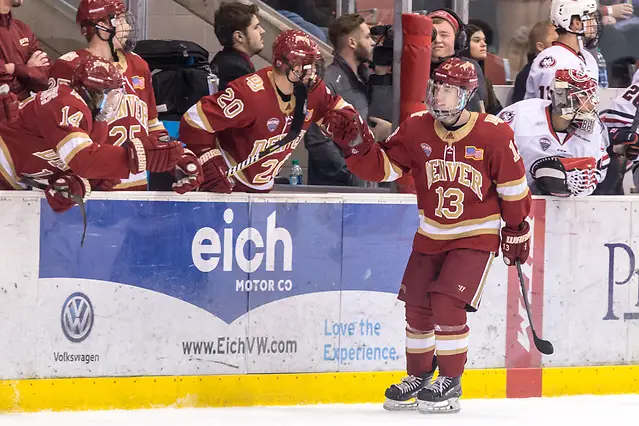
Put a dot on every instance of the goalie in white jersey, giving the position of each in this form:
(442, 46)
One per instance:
(578, 23)
(563, 143)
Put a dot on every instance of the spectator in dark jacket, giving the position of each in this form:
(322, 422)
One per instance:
(23, 66)
(347, 76)
(541, 37)
(239, 31)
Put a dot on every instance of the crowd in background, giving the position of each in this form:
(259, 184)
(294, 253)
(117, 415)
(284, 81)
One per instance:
(361, 72)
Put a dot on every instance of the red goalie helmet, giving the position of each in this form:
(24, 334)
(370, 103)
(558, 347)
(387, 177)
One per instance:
(453, 83)
(295, 51)
(574, 97)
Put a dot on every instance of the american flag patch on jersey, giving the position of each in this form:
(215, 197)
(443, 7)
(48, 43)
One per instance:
(474, 153)
(138, 82)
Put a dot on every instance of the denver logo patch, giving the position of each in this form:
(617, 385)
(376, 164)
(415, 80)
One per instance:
(24, 42)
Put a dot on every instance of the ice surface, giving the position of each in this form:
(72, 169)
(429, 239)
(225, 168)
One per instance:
(565, 411)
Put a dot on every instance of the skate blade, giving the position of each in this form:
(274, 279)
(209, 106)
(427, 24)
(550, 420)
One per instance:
(444, 407)
(391, 405)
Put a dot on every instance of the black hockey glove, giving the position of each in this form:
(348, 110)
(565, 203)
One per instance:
(624, 142)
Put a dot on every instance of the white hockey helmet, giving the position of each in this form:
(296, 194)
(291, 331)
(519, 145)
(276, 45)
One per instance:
(562, 11)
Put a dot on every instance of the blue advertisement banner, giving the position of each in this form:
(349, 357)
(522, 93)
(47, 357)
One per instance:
(230, 258)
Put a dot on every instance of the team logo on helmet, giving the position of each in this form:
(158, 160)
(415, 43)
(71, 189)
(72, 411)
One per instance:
(427, 149)
(507, 116)
(545, 143)
(466, 66)
(578, 75)
(547, 62)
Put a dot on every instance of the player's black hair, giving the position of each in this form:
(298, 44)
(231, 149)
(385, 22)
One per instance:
(232, 17)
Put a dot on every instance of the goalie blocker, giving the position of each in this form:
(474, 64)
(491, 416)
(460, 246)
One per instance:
(563, 177)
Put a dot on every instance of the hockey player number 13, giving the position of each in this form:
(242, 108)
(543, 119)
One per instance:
(454, 197)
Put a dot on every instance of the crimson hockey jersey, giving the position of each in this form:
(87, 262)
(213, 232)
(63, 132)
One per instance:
(248, 117)
(138, 114)
(467, 180)
(531, 122)
(557, 57)
(54, 135)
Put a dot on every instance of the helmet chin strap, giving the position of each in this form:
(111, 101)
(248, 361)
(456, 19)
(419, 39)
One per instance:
(454, 123)
(111, 32)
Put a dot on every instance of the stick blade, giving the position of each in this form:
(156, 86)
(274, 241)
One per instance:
(543, 346)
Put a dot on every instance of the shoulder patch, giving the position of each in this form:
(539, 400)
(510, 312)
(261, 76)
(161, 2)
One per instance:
(69, 56)
(507, 116)
(548, 62)
(255, 83)
(492, 119)
(418, 114)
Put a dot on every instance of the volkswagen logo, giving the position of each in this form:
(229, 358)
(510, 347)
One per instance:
(77, 317)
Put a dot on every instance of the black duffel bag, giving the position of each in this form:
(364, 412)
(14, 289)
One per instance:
(171, 54)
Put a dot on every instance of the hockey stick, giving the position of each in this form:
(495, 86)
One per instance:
(76, 198)
(543, 346)
(299, 114)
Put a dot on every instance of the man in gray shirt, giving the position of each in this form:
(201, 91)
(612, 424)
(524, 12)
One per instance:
(347, 76)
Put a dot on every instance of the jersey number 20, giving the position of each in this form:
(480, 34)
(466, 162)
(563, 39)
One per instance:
(631, 95)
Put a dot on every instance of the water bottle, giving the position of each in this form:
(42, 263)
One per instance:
(603, 71)
(295, 177)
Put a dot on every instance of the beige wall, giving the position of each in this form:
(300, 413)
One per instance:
(56, 31)
(168, 20)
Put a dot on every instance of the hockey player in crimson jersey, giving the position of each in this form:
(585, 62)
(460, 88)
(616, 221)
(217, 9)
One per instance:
(255, 112)
(469, 177)
(562, 142)
(58, 137)
(578, 23)
(111, 34)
